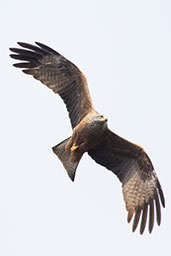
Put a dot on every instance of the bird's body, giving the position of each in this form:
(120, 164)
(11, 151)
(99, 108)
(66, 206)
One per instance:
(131, 164)
(86, 135)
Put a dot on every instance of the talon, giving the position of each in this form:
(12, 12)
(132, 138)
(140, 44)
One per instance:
(73, 148)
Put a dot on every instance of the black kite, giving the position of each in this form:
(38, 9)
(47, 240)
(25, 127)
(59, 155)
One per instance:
(128, 161)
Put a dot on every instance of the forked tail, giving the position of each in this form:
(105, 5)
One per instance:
(64, 157)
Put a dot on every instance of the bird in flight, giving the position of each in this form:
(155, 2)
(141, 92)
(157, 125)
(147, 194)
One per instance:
(141, 189)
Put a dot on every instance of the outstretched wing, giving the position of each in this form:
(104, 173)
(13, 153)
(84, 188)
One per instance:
(59, 74)
(134, 169)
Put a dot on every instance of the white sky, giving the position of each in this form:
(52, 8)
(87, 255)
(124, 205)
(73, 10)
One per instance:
(124, 49)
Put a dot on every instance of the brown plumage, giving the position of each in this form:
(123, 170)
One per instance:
(140, 185)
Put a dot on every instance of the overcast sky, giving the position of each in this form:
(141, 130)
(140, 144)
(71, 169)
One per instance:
(124, 49)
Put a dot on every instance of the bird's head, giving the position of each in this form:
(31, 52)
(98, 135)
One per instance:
(102, 118)
(99, 121)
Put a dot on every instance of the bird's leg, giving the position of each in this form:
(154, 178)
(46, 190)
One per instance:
(74, 147)
(71, 145)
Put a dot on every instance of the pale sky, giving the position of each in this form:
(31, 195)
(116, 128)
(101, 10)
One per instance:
(124, 49)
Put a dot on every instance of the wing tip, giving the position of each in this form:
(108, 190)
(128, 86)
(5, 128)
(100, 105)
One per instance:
(162, 199)
(130, 215)
(141, 214)
(46, 48)
(21, 43)
(16, 65)
(27, 71)
(136, 218)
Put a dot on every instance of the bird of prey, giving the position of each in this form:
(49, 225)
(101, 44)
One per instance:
(141, 189)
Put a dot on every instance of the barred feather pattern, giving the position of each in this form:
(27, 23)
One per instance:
(59, 74)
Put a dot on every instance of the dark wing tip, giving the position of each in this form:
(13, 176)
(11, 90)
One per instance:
(47, 48)
(22, 44)
(136, 218)
(161, 195)
(13, 56)
(144, 218)
(158, 209)
(27, 71)
(142, 212)
(31, 55)
(130, 215)
(18, 65)
(151, 216)
(33, 50)
(11, 48)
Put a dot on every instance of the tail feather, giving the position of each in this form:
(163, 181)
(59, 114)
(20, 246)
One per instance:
(64, 157)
